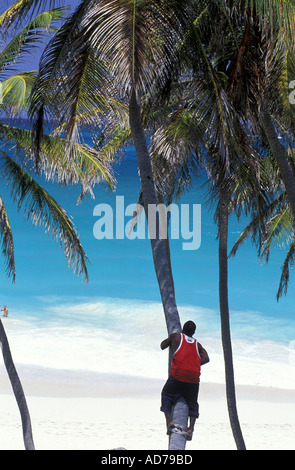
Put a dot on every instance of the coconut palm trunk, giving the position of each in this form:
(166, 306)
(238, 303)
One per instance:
(161, 263)
(18, 390)
(225, 321)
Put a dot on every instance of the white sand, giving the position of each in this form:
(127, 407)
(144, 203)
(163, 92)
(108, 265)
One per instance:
(93, 412)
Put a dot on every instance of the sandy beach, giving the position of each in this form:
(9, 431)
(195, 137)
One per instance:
(84, 411)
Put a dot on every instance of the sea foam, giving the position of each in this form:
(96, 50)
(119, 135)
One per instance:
(119, 336)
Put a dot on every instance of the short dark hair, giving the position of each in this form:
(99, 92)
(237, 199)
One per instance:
(189, 328)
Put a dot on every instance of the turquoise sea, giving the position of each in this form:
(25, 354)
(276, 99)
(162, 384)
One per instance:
(115, 323)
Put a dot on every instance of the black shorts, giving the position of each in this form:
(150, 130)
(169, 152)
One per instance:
(173, 390)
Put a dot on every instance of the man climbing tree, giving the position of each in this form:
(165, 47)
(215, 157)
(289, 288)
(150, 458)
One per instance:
(184, 379)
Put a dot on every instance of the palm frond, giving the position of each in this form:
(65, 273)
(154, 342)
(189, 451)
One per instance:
(279, 230)
(264, 210)
(212, 105)
(286, 76)
(85, 166)
(278, 13)
(16, 91)
(247, 232)
(65, 49)
(127, 36)
(175, 152)
(115, 144)
(19, 10)
(7, 241)
(41, 209)
(138, 39)
(285, 276)
(31, 34)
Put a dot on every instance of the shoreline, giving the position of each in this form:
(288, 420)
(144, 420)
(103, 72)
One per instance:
(79, 410)
(46, 382)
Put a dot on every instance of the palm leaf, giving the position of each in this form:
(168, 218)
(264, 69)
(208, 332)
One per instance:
(16, 91)
(277, 12)
(175, 152)
(264, 210)
(127, 37)
(227, 142)
(287, 265)
(32, 33)
(79, 94)
(279, 230)
(115, 144)
(138, 39)
(51, 90)
(41, 209)
(7, 240)
(286, 77)
(85, 166)
(19, 10)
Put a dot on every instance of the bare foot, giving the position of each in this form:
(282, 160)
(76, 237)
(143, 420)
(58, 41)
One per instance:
(189, 434)
(169, 428)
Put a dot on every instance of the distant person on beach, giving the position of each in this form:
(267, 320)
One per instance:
(5, 310)
(188, 357)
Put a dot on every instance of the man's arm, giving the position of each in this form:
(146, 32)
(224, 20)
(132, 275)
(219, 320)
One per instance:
(166, 343)
(203, 354)
(173, 340)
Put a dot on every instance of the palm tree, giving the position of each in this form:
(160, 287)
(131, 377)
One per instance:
(38, 205)
(222, 191)
(210, 118)
(132, 47)
(264, 69)
(272, 224)
(17, 390)
(106, 51)
(253, 67)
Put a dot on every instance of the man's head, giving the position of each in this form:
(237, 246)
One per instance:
(189, 328)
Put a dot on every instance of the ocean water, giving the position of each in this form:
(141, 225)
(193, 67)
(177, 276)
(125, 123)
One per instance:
(115, 324)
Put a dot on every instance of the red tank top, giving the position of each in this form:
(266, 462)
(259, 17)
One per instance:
(186, 363)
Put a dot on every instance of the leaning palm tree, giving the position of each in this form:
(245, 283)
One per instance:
(210, 117)
(39, 207)
(178, 174)
(259, 85)
(126, 59)
(228, 152)
(249, 82)
(263, 71)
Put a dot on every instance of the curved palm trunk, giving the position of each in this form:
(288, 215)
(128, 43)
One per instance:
(17, 389)
(149, 196)
(161, 263)
(225, 322)
(279, 154)
(180, 416)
